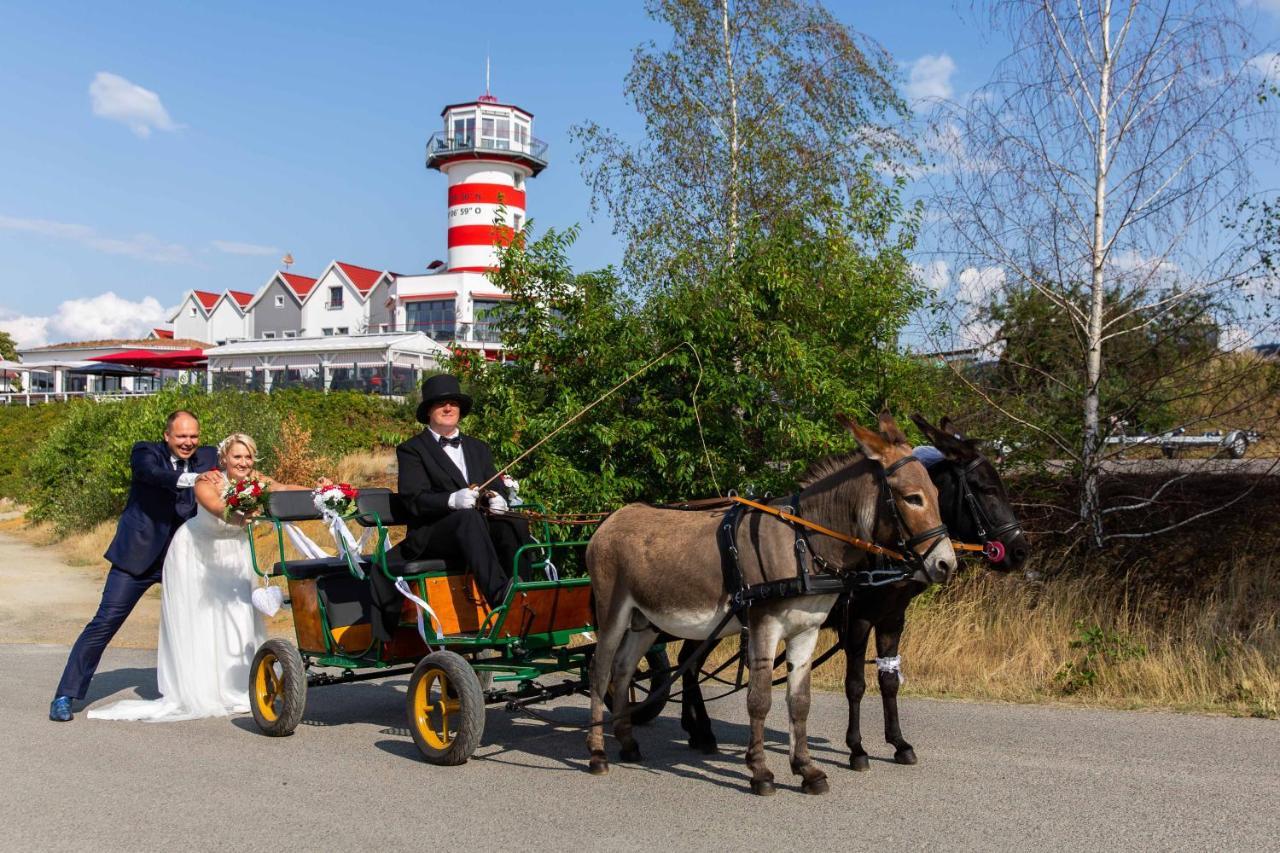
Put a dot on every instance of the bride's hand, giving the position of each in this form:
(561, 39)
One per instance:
(213, 478)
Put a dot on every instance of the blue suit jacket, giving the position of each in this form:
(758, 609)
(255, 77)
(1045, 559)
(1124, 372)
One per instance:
(156, 507)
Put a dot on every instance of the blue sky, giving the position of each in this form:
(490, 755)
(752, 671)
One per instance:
(300, 127)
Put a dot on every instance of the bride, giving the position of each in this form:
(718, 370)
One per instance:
(209, 630)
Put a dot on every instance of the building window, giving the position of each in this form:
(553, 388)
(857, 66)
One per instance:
(521, 137)
(335, 297)
(495, 131)
(384, 327)
(486, 328)
(291, 334)
(516, 221)
(279, 301)
(328, 333)
(519, 179)
(342, 330)
(464, 130)
(435, 317)
(193, 311)
(269, 336)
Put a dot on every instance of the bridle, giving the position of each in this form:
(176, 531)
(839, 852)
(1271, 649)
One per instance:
(907, 545)
(991, 535)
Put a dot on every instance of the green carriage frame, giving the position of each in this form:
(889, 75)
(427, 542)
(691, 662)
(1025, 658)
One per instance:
(454, 677)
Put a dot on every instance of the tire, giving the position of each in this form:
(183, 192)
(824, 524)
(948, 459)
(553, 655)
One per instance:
(1238, 447)
(653, 676)
(445, 706)
(277, 688)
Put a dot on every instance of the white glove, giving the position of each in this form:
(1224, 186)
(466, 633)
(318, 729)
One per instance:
(464, 499)
(497, 503)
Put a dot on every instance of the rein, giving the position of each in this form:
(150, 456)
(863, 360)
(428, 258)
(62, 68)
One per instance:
(791, 518)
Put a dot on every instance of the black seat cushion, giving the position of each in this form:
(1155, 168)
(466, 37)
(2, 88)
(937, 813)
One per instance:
(326, 566)
(346, 600)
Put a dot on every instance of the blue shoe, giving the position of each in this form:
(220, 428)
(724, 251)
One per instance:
(60, 709)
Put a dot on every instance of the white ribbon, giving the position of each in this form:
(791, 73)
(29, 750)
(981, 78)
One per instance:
(346, 543)
(893, 664)
(552, 573)
(403, 586)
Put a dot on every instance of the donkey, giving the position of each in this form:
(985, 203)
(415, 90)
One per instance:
(660, 570)
(975, 508)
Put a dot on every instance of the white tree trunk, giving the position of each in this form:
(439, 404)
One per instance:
(732, 81)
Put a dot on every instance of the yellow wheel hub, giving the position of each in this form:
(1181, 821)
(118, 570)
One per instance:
(267, 689)
(434, 709)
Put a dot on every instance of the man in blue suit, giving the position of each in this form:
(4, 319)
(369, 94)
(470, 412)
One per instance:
(161, 498)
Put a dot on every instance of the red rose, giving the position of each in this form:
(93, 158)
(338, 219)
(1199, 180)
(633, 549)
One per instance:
(233, 501)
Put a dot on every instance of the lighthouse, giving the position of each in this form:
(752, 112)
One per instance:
(487, 151)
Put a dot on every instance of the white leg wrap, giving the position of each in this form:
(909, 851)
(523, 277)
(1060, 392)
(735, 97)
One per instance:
(893, 664)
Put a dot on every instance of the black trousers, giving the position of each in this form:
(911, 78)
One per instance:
(119, 596)
(486, 545)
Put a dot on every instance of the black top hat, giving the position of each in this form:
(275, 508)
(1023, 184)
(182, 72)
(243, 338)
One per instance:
(438, 388)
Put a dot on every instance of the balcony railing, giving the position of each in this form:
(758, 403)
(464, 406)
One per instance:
(442, 144)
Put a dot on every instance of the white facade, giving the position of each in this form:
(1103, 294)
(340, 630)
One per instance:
(191, 319)
(479, 191)
(390, 363)
(228, 321)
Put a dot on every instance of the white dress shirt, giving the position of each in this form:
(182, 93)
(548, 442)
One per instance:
(187, 479)
(454, 453)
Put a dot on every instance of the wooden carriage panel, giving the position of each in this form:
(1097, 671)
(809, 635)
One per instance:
(306, 615)
(457, 602)
(540, 611)
(352, 639)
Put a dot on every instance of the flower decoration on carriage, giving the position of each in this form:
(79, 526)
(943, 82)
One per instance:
(247, 496)
(339, 499)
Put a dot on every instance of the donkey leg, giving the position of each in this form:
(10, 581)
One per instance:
(633, 648)
(799, 669)
(887, 636)
(854, 635)
(693, 710)
(609, 635)
(762, 646)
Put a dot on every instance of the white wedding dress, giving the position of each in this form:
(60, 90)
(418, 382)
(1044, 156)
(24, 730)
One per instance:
(209, 629)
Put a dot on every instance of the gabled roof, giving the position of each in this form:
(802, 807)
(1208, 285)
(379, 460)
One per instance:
(362, 278)
(242, 299)
(299, 284)
(162, 333)
(207, 299)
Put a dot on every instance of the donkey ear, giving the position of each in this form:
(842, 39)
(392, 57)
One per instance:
(945, 440)
(950, 428)
(872, 444)
(890, 430)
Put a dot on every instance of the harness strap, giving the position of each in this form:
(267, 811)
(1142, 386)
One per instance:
(856, 542)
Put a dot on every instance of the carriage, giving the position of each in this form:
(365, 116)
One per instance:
(461, 655)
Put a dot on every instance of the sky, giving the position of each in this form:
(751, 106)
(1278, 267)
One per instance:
(149, 148)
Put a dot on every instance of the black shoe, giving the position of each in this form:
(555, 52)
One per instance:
(501, 598)
(60, 709)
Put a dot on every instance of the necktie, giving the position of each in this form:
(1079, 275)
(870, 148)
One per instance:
(456, 441)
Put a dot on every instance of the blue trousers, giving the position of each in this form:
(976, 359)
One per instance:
(119, 595)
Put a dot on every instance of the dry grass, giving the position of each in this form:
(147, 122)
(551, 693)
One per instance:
(367, 469)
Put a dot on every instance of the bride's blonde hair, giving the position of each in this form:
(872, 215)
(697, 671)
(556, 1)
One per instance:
(224, 446)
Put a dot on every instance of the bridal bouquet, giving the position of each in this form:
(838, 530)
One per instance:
(339, 499)
(246, 497)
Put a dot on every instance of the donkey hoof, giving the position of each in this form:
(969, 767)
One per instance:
(815, 785)
(860, 762)
(905, 756)
(631, 755)
(599, 764)
(763, 787)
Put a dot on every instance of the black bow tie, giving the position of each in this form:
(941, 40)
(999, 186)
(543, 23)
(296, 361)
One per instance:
(456, 441)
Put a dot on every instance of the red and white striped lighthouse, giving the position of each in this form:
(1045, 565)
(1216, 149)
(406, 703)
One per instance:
(487, 151)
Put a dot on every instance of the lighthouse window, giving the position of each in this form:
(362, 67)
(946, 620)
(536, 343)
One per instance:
(495, 132)
(464, 131)
(433, 316)
(522, 136)
(486, 328)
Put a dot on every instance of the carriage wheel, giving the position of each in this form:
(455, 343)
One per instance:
(446, 708)
(651, 674)
(277, 688)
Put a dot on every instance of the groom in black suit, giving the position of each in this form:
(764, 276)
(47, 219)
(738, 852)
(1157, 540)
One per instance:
(439, 469)
(161, 499)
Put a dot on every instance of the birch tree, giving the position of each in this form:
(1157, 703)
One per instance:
(1097, 170)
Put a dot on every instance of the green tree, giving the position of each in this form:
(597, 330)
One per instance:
(8, 348)
(756, 110)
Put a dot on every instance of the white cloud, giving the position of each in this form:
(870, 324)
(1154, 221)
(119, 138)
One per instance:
(930, 77)
(935, 275)
(1272, 6)
(1266, 65)
(978, 284)
(142, 246)
(89, 319)
(115, 98)
(231, 247)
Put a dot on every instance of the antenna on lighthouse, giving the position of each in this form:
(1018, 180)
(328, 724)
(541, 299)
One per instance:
(486, 71)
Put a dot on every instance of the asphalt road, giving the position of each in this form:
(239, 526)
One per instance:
(991, 777)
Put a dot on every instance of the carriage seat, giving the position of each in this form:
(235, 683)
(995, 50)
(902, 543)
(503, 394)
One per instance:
(389, 509)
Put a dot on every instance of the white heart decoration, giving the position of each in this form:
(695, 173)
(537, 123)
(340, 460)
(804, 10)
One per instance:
(268, 599)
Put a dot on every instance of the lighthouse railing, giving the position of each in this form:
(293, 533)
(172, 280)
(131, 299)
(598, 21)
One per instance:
(442, 143)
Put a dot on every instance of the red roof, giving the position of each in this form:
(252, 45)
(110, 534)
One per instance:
(207, 299)
(299, 284)
(242, 299)
(163, 333)
(362, 277)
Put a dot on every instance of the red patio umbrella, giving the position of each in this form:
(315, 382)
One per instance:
(170, 359)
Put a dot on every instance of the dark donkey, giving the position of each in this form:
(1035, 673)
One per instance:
(661, 570)
(975, 508)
